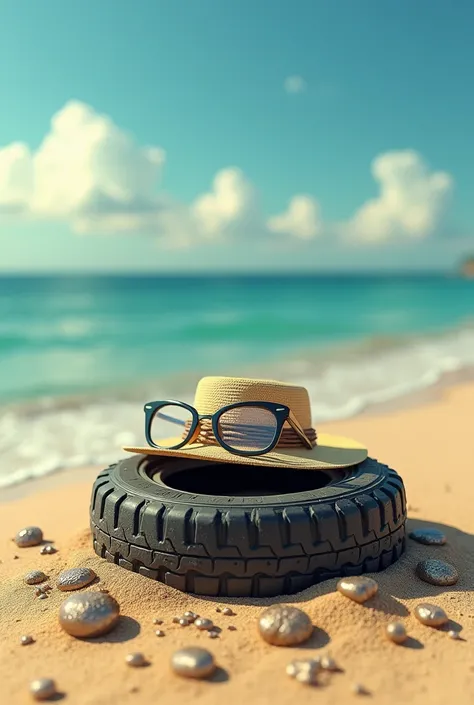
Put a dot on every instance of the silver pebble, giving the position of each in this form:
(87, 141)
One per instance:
(428, 537)
(358, 588)
(304, 670)
(228, 612)
(157, 621)
(396, 632)
(48, 550)
(75, 578)
(193, 662)
(26, 639)
(29, 536)
(43, 688)
(43, 596)
(183, 622)
(437, 572)
(34, 577)
(136, 660)
(203, 624)
(191, 616)
(430, 615)
(454, 635)
(328, 664)
(359, 689)
(282, 625)
(212, 634)
(159, 632)
(89, 614)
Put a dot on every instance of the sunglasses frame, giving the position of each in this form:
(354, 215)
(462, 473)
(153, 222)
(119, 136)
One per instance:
(281, 412)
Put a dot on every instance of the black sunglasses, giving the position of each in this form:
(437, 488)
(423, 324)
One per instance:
(244, 428)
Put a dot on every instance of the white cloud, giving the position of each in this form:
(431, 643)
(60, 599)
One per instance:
(295, 84)
(230, 202)
(301, 219)
(411, 203)
(93, 176)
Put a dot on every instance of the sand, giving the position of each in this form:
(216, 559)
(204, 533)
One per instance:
(430, 444)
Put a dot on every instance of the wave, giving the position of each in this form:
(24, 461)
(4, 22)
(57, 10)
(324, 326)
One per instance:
(42, 436)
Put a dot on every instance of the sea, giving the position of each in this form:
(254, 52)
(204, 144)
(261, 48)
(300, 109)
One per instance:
(80, 355)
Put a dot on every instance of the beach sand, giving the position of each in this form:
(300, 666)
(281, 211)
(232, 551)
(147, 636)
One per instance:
(429, 444)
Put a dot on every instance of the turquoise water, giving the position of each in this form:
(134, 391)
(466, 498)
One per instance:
(79, 355)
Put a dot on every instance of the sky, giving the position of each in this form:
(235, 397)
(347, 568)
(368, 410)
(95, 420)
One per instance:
(202, 135)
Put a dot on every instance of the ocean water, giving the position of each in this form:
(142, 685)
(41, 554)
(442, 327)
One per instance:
(80, 355)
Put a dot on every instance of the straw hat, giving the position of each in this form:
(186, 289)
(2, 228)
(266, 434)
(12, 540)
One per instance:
(213, 393)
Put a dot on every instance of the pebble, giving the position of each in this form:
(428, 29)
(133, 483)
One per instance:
(358, 588)
(26, 639)
(29, 536)
(204, 624)
(228, 612)
(359, 689)
(176, 620)
(193, 662)
(454, 635)
(437, 572)
(218, 609)
(396, 632)
(75, 578)
(431, 615)
(191, 616)
(89, 614)
(304, 671)
(159, 632)
(429, 537)
(136, 660)
(34, 577)
(42, 596)
(231, 628)
(48, 550)
(183, 622)
(328, 664)
(212, 635)
(157, 621)
(282, 625)
(43, 688)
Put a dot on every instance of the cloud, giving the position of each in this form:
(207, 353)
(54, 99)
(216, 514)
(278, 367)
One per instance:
(412, 200)
(94, 176)
(295, 84)
(301, 219)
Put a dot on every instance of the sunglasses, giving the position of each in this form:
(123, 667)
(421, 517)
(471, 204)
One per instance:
(244, 428)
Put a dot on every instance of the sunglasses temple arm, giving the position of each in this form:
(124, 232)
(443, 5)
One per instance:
(299, 430)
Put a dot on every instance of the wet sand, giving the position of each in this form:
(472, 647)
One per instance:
(429, 443)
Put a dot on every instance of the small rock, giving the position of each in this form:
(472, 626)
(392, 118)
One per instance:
(176, 620)
(304, 670)
(183, 622)
(89, 614)
(191, 616)
(159, 632)
(218, 609)
(34, 577)
(231, 628)
(396, 632)
(203, 624)
(228, 612)
(431, 615)
(437, 572)
(193, 662)
(26, 639)
(328, 664)
(358, 588)
(48, 550)
(42, 596)
(282, 625)
(136, 660)
(212, 634)
(454, 635)
(428, 537)
(75, 578)
(359, 689)
(43, 688)
(157, 621)
(29, 536)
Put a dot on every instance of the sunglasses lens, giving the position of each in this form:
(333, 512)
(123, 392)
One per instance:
(248, 428)
(170, 425)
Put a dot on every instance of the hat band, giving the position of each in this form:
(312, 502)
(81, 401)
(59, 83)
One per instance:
(288, 439)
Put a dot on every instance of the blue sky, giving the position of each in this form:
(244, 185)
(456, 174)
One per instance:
(204, 80)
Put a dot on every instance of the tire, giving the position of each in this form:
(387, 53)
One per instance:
(147, 516)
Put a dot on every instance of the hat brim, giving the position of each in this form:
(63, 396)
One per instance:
(330, 452)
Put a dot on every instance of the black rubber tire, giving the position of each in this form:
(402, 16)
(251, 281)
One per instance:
(246, 546)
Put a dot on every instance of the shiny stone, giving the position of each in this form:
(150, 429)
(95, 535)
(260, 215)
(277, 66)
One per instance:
(48, 550)
(26, 639)
(136, 660)
(282, 625)
(193, 662)
(304, 670)
(396, 632)
(35, 577)
(437, 572)
(29, 536)
(89, 614)
(428, 537)
(431, 615)
(43, 688)
(75, 578)
(358, 588)
(203, 624)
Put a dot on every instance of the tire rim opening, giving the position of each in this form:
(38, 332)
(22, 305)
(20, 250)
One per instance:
(227, 479)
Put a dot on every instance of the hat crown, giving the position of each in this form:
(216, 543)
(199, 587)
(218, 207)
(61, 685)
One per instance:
(212, 393)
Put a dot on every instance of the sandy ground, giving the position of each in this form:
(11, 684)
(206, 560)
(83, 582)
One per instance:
(431, 445)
